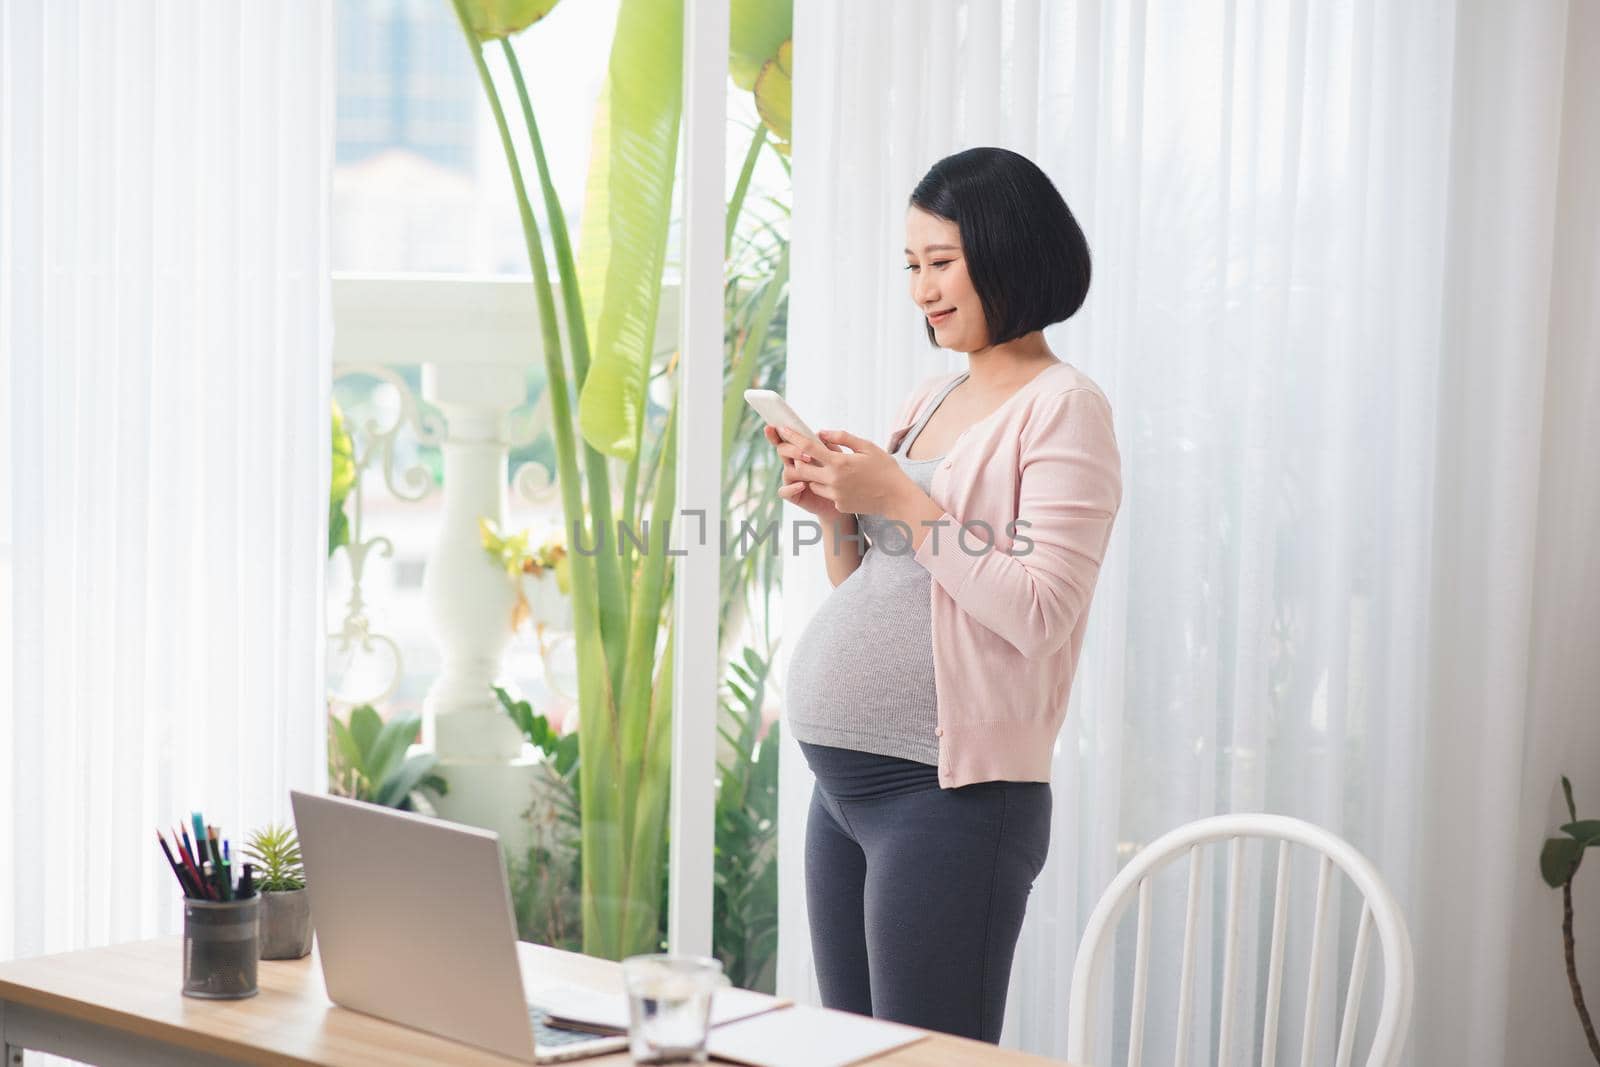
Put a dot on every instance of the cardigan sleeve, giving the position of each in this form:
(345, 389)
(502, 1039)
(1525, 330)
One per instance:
(1068, 498)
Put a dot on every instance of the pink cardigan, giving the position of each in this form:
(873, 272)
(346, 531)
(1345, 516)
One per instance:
(1008, 621)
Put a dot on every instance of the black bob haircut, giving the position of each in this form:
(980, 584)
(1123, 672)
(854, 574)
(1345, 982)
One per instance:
(1026, 256)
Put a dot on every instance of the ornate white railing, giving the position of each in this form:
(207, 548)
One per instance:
(474, 339)
(374, 446)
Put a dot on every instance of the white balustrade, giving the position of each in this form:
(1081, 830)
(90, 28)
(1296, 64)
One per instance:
(475, 339)
(470, 601)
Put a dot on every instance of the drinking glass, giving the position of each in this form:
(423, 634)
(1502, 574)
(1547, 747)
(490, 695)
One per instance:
(669, 1005)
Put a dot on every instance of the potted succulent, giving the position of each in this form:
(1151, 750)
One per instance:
(280, 878)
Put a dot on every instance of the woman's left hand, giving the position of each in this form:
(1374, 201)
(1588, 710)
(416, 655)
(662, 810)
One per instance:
(865, 480)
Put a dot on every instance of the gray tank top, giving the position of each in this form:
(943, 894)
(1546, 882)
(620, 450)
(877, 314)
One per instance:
(861, 674)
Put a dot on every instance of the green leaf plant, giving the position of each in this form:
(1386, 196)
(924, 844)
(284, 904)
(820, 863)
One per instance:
(1558, 863)
(341, 481)
(275, 853)
(619, 570)
(546, 890)
(746, 880)
(622, 716)
(367, 761)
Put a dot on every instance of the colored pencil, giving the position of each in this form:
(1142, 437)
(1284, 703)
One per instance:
(194, 870)
(177, 871)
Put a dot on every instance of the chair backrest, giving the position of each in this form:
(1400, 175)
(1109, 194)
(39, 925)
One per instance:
(1379, 912)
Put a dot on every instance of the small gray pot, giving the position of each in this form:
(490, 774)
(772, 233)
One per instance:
(285, 925)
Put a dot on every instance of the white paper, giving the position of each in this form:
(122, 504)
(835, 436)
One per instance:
(804, 1036)
(595, 1008)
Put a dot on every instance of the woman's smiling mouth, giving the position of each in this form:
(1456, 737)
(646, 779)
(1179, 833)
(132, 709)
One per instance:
(939, 318)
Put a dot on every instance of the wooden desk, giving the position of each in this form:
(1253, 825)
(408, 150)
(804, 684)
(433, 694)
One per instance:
(122, 1005)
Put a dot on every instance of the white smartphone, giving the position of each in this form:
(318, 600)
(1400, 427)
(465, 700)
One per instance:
(771, 406)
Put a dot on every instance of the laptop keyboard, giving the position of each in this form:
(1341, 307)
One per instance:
(546, 1033)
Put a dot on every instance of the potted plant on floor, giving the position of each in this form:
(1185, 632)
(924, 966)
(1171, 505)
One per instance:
(280, 878)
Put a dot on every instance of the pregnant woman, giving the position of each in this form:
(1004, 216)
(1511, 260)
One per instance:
(928, 691)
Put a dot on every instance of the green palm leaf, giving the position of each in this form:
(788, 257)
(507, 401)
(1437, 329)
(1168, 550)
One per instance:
(755, 30)
(628, 204)
(490, 19)
(774, 88)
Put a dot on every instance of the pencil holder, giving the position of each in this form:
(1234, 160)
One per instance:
(220, 947)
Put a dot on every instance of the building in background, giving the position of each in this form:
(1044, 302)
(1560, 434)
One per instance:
(406, 83)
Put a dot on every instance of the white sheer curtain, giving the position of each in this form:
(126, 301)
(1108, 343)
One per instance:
(165, 174)
(1345, 256)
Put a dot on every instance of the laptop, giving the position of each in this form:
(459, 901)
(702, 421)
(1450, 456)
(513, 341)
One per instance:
(414, 924)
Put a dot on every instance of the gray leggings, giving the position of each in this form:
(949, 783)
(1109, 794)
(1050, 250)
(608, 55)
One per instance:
(916, 893)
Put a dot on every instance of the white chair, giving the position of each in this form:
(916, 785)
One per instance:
(1380, 912)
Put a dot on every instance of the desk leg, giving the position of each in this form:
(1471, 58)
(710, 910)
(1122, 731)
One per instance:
(13, 1052)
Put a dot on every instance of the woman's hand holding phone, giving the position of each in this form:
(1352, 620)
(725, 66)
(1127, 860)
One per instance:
(794, 488)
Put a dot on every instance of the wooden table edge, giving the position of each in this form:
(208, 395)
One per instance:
(206, 1042)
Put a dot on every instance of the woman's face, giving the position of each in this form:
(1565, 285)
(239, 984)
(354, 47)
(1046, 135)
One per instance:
(939, 282)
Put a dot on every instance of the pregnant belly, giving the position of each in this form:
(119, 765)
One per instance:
(868, 647)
